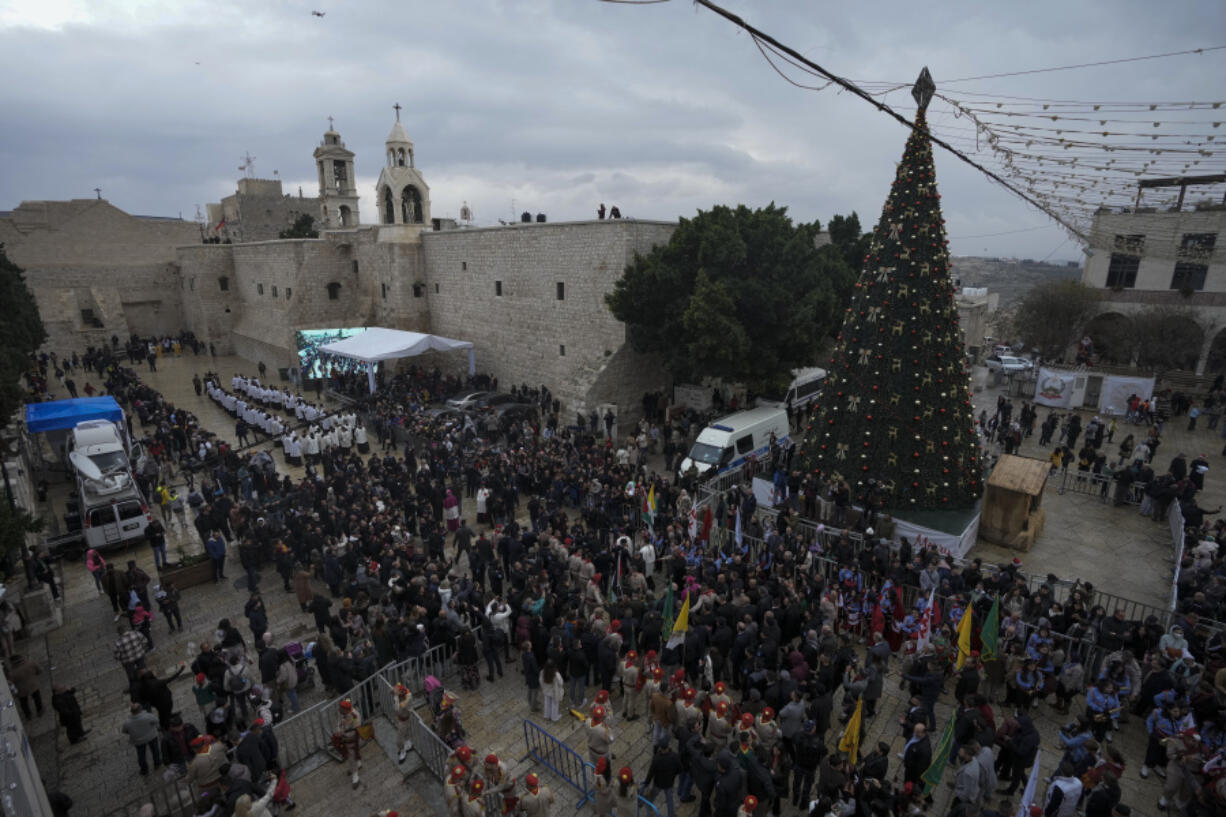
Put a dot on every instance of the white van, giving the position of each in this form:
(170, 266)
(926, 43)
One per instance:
(805, 387)
(729, 441)
(112, 512)
(101, 441)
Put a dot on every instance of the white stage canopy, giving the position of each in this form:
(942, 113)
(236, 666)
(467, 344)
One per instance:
(378, 343)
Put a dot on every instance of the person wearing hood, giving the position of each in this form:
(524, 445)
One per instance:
(1173, 645)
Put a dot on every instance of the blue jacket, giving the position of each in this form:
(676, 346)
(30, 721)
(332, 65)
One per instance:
(215, 547)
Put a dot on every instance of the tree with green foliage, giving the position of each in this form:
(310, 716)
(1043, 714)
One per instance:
(1166, 338)
(304, 227)
(896, 405)
(21, 333)
(740, 294)
(1053, 316)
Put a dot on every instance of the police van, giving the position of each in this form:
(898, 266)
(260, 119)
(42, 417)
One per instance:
(806, 386)
(730, 441)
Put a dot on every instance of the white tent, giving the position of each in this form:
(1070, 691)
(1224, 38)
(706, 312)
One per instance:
(390, 344)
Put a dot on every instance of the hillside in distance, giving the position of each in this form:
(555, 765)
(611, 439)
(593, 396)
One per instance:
(1012, 278)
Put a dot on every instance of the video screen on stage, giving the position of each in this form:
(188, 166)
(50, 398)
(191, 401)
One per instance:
(312, 362)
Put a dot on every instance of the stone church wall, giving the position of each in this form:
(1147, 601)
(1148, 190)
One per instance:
(527, 334)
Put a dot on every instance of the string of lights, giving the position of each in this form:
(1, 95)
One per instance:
(1069, 158)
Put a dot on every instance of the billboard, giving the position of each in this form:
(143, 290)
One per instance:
(311, 362)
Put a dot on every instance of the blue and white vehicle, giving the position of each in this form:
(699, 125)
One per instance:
(730, 441)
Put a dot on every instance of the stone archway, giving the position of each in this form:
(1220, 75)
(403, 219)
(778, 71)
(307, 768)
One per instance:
(389, 206)
(1215, 361)
(1113, 336)
(410, 205)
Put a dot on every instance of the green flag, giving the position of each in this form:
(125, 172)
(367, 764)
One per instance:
(990, 632)
(940, 758)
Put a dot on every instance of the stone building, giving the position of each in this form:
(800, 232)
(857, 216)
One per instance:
(259, 211)
(530, 296)
(1142, 257)
(96, 271)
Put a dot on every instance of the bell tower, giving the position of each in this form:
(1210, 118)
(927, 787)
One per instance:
(401, 194)
(338, 191)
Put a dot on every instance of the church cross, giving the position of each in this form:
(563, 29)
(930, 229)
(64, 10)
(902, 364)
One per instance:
(98, 190)
(329, 123)
(397, 107)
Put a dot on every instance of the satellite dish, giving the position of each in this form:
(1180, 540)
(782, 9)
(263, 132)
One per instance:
(85, 466)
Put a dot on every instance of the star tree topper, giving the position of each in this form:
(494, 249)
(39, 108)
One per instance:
(923, 89)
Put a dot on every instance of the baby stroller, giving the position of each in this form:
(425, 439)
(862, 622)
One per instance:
(302, 663)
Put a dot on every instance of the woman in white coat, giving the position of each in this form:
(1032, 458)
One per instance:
(552, 690)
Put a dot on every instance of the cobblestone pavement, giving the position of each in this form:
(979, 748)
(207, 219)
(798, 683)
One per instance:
(1083, 538)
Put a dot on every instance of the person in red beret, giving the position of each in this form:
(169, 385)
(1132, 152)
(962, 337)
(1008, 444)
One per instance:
(538, 800)
(345, 737)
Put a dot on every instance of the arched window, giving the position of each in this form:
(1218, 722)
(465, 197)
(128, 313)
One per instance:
(400, 157)
(389, 207)
(223, 283)
(346, 216)
(410, 205)
(334, 291)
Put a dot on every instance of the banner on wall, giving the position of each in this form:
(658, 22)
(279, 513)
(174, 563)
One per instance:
(1113, 399)
(1054, 388)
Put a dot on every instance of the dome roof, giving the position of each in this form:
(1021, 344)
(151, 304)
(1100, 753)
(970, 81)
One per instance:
(398, 135)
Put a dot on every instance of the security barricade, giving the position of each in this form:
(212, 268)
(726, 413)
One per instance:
(559, 758)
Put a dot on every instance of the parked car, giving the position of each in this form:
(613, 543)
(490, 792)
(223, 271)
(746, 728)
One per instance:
(447, 414)
(1008, 364)
(508, 413)
(470, 400)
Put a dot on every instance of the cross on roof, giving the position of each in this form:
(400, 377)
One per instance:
(329, 123)
(98, 190)
(397, 107)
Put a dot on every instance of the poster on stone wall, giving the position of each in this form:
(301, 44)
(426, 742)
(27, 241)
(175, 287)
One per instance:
(1054, 388)
(1113, 398)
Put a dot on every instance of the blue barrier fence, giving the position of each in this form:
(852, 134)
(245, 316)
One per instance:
(559, 758)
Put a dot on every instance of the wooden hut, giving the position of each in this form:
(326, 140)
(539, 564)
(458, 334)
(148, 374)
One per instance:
(1012, 515)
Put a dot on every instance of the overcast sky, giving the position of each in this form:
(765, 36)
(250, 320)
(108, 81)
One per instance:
(552, 105)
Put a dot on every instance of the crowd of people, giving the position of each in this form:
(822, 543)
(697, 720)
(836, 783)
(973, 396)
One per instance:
(546, 547)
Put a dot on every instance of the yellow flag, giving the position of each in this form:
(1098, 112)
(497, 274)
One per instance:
(850, 742)
(964, 638)
(682, 625)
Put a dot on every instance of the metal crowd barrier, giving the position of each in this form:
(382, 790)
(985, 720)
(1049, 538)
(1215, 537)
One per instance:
(1179, 535)
(559, 758)
(436, 661)
(1061, 589)
(298, 737)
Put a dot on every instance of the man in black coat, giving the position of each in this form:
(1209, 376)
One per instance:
(809, 749)
(249, 753)
(1018, 753)
(703, 771)
(917, 755)
(726, 798)
(662, 774)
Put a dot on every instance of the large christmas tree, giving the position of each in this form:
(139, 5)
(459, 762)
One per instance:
(896, 407)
